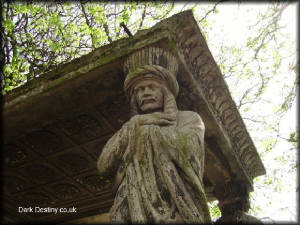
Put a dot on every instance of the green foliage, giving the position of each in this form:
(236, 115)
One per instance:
(39, 36)
(293, 139)
(214, 210)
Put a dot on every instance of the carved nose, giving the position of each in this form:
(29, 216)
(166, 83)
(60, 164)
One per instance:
(147, 92)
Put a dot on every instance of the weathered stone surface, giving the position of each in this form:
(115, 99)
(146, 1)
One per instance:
(87, 86)
(239, 217)
(157, 157)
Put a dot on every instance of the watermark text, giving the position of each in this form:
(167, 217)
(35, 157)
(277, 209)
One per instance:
(38, 209)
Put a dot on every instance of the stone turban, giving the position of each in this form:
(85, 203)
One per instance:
(158, 62)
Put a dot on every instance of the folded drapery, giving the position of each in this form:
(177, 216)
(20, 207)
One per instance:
(157, 171)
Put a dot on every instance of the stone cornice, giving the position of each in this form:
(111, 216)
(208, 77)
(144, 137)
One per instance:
(202, 65)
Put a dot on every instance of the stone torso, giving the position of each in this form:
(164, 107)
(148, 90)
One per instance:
(159, 179)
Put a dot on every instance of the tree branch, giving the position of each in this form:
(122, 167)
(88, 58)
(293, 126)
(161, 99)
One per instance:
(88, 23)
(105, 26)
(210, 11)
(143, 16)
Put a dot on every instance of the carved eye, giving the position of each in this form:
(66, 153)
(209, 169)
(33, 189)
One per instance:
(139, 89)
(136, 90)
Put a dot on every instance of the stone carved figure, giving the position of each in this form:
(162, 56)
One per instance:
(156, 160)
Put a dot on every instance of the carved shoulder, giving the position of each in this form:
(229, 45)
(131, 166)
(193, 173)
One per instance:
(190, 117)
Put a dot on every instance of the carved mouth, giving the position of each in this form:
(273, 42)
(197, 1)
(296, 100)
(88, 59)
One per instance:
(147, 101)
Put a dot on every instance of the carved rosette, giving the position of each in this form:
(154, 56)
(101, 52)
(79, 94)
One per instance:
(14, 155)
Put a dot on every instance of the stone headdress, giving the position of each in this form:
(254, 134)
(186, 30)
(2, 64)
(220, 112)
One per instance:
(151, 60)
(152, 63)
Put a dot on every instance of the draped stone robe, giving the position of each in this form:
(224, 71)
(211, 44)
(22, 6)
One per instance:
(158, 172)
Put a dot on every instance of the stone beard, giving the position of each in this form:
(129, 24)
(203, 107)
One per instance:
(156, 160)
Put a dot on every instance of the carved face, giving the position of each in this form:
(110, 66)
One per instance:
(149, 95)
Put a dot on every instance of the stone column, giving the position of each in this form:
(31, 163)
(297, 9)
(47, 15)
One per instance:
(234, 203)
